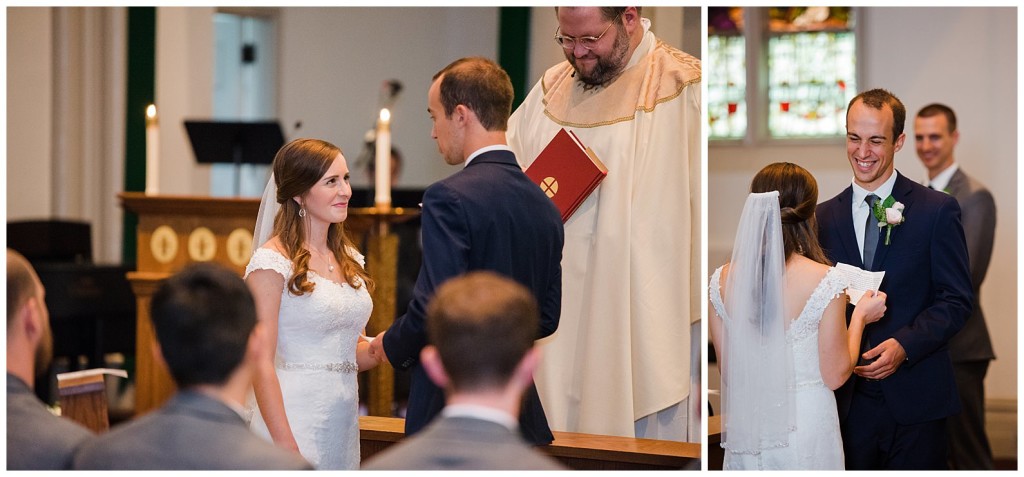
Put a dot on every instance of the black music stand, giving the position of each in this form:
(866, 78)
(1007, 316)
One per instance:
(235, 142)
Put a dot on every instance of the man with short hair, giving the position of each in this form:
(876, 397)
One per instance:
(935, 136)
(626, 356)
(204, 318)
(36, 439)
(491, 319)
(892, 411)
(488, 216)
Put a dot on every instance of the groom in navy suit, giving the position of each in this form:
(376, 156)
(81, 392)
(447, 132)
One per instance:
(488, 216)
(892, 410)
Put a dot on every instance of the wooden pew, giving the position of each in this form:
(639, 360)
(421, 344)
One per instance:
(575, 450)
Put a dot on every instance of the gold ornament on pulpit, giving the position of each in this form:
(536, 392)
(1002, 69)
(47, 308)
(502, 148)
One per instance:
(163, 244)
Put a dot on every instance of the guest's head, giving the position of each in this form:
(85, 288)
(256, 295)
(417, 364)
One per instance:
(481, 326)
(874, 133)
(598, 41)
(935, 136)
(798, 198)
(468, 99)
(313, 190)
(204, 318)
(29, 341)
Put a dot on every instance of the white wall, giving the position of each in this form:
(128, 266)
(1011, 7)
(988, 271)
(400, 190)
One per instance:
(333, 61)
(29, 112)
(964, 57)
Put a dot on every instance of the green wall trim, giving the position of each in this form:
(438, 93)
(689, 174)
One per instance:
(514, 49)
(140, 93)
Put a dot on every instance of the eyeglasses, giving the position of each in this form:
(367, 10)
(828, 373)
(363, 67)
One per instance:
(588, 42)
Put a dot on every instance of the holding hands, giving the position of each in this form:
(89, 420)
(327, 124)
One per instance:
(377, 348)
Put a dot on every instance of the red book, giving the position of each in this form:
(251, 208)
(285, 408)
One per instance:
(567, 171)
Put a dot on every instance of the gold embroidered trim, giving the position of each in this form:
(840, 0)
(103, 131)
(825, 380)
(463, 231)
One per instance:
(557, 74)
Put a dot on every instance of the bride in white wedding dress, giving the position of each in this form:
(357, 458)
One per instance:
(311, 291)
(778, 325)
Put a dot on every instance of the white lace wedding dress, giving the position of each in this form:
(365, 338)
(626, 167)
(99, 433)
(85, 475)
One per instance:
(316, 364)
(816, 442)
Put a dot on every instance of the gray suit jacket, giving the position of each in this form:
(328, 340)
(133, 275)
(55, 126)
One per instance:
(36, 439)
(462, 443)
(192, 431)
(978, 214)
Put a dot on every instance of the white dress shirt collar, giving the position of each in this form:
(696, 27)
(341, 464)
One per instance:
(483, 413)
(883, 191)
(941, 181)
(496, 147)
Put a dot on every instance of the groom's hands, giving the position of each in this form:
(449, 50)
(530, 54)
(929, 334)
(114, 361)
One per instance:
(377, 348)
(891, 356)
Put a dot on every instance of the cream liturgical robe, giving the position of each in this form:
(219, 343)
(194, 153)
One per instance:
(630, 266)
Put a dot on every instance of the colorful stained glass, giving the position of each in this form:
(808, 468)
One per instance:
(727, 81)
(811, 71)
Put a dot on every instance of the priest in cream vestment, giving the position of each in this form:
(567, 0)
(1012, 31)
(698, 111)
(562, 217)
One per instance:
(626, 354)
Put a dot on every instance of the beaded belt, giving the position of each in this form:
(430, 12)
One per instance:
(342, 367)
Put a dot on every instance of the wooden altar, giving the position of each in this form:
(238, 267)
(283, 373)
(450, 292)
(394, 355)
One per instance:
(175, 231)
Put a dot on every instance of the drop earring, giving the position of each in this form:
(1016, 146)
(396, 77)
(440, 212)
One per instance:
(302, 212)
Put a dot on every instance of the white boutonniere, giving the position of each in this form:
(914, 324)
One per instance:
(889, 214)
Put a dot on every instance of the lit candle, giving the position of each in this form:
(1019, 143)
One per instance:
(152, 152)
(382, 163)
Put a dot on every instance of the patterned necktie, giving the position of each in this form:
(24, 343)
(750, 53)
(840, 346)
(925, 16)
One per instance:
(870, 231)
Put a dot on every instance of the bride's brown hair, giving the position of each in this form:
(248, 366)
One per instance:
(798, 198)
(298, 166)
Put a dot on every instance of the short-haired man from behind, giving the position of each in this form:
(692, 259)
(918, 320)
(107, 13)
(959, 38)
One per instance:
(205, 323)
(935, 137)
(36, 439)
(482, 329)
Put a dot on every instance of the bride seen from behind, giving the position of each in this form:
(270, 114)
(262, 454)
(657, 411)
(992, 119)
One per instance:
(778, 324)
(312, 293)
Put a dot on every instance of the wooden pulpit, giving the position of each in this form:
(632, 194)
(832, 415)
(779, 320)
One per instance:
(83, 397)
(175, 231)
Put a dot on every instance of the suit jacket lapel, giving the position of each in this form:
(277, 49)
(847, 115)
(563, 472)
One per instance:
(844, 219)
(902, 191)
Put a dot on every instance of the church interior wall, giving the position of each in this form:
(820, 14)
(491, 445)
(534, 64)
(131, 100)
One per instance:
(967, 59)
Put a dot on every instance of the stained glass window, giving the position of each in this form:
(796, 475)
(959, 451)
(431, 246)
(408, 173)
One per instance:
(727, 82)
(811, 70)
(809, 57)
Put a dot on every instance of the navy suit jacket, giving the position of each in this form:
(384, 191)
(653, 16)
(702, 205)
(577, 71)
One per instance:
(928, 283)
(488, 216)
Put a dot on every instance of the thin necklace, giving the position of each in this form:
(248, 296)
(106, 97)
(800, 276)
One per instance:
(330, 266)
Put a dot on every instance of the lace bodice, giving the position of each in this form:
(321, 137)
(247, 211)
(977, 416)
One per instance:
(317, 327)
(802, 334)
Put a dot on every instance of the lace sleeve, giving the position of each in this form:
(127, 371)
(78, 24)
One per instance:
(831, 286)
(352, 252)
(834, 284)
(715, 293)
(267, 259)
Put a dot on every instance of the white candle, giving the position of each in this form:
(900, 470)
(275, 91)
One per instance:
(382, 163)
(152, 152)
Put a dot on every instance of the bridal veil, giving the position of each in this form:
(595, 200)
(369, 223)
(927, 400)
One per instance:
(757, 366)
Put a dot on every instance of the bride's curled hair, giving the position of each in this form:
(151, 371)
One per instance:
(798, 198)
